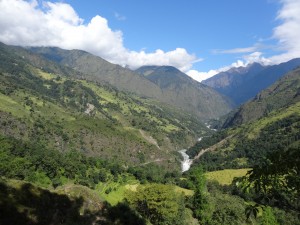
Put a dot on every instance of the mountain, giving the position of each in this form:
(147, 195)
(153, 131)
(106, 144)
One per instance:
(267, 124)
(100, 70)
(166, 76)
(201, 101)
(85, 152)
(282, 93)
(187, 92)
(48, 103)
(243, 83)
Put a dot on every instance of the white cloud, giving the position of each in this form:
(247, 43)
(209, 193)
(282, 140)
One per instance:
(256, 57)
(178, 58)
(288, 32)
(200, 76)
(119, 16)
(235, 50)
(246, 60)
(57, 24)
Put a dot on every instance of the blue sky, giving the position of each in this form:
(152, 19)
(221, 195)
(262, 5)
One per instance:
(200, 37)
(201, 27)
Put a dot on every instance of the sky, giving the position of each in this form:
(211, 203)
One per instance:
(199, 37)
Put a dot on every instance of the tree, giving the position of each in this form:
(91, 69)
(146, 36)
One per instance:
(268, 217)
(278, 178)
(251, 210)
(200, 205)
(158, 203)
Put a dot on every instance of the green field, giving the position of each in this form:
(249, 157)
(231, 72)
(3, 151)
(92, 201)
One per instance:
(225, 177)
(118, 191)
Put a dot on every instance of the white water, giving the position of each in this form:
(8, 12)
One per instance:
(209, 127)
(186, 162)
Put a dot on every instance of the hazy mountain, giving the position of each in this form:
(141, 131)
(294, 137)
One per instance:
(283, 93)
(187, 92)
(206, 103)
(243, 83)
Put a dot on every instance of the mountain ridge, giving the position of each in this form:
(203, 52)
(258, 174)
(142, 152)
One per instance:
(124, 79)
(187, 90)
(243, 83)
(282, 93)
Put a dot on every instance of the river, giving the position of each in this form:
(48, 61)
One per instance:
(186, 162)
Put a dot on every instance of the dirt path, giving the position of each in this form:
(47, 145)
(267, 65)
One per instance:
(150, 139)
(211, 148)
(155, 160)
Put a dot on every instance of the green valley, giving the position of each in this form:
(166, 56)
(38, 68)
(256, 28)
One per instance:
(95, 118)
(75, 148)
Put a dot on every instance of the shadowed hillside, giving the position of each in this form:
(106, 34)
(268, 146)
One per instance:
(26, 204)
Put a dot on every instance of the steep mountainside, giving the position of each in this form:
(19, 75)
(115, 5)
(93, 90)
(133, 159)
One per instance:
(188, 92)
(283, 93)
(248, 145)
(226, 81)
(269, 123)
(40, 102)
(243, 83)
(202, 101)
(166, 76)
(101, 70)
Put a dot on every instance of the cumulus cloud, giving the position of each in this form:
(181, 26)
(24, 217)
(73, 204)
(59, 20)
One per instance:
(29, 23)
(200, 76)
(256, 57)
(245, 61)
(288, 32)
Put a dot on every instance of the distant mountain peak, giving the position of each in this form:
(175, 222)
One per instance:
(244, 69)
(282, 93)
(243, 83)
(168, 69)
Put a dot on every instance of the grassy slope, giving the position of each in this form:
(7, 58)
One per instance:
(114, 192)
(51, 108)
(248, 142)
(193, 98)
(225, 177)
